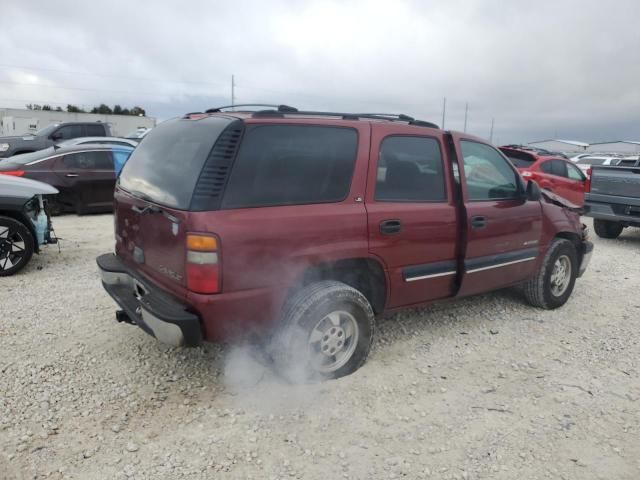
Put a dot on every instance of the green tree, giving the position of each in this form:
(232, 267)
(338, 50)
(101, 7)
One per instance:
(46, 107)
(138, 111)
(58, 109)
(74, 109)
(117, 110)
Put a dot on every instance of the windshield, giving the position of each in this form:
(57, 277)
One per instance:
(46, 131)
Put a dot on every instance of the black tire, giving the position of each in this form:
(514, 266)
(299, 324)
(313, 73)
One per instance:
(607, 228)
(301, 315)
(539, 291)
(11, 231)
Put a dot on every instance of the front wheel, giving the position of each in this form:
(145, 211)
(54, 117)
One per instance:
(16, 246)
(607, 228)
(553, 283)
(325, 332)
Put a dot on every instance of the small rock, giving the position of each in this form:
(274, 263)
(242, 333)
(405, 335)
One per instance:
(132, 447)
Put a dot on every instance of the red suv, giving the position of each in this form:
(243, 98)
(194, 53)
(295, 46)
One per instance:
(301, 227)
(555, 174)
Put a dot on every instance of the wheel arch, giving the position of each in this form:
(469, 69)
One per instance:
(22, 218)
(364, 274)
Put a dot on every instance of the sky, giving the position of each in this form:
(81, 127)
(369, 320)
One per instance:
(545, 69)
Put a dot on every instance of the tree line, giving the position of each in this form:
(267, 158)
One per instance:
(102, 108)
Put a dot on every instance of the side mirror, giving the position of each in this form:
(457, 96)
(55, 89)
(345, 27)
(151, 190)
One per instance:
(533, 191)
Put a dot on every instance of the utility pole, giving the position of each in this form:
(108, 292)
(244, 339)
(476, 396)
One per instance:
(233, 92)
(491, 132)
(466, 111)
(444, 110)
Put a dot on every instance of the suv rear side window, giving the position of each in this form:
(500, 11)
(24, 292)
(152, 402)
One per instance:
(488, 175)
(410, 170)
(292, 165)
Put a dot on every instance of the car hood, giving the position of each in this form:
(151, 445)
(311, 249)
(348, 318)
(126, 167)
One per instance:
(561, 201)
(17, 139)
(17, 187)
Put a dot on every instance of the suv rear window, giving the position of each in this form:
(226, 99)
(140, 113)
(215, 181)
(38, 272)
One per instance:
(292, 164)
(166, 166)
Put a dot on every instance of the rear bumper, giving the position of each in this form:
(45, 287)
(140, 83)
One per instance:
(587, 252)
(149, 307)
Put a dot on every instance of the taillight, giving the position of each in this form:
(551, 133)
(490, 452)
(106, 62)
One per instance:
(14, 173)
(203, 263)
(587, 182)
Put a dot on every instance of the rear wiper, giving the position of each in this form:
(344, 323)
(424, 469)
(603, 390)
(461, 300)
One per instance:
(151, 209)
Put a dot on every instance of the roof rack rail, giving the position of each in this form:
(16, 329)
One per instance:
(392, 117)
(278, 108)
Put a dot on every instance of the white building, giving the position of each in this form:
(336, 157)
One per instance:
(16, 121)
(567, 146)
(619, 146)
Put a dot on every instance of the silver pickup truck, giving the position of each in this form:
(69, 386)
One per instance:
(613, 199)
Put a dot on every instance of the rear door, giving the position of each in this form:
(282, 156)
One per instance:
(503, 229)
(412, 216)
(576, 184)
(89, 177)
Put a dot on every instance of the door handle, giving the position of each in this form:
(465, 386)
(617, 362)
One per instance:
(390, 227)
(71, 175)
(478, 222)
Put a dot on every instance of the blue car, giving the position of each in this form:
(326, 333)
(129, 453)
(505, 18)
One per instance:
(85, 175)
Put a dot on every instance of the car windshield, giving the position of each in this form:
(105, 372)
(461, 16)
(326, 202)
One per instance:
(46, 131)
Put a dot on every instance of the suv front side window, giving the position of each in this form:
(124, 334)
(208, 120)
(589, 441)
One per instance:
(410, 170)
(488, 174)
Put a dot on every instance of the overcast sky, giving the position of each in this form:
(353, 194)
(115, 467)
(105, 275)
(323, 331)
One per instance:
(542, 69)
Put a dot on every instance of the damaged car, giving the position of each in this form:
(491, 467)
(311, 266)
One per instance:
(25, 224)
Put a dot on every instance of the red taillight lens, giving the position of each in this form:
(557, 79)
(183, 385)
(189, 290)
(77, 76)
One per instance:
(587, 182)
(203, 263)
(14, 173)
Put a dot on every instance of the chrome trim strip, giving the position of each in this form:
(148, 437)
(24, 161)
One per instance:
(500, 265)
(63, 154)
(433, 275)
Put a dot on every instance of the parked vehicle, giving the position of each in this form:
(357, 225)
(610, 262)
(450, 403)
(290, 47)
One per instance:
(586, 163)
(555, 174)
(51, 135)
(84, 174)
(138, 134)
(575, 158)
(543, 152)
(123, 142)
(613, 199)
(24, 222)
(302, 226)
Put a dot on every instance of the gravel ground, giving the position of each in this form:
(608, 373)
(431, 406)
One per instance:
(486, 387)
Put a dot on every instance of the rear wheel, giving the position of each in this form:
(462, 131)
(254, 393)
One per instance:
(326, 332)
(16, 246)
(607, 228)
(553, 283)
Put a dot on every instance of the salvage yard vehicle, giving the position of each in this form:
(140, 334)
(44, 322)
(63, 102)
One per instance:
(551, 173)
(613, 199)
(301, 227)
(24, 222)
(49, 136)
(85, 175)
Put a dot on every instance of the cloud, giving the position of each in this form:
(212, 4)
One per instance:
(541, 69)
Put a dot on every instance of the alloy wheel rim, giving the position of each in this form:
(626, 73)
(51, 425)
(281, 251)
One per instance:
(333, 341)
(12, 248)
(560, 275)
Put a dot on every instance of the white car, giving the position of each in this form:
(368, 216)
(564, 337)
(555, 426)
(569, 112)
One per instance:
(124, 142)
(586, 162)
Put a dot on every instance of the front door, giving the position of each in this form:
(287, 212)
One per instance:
(413, 227)
(503, 229)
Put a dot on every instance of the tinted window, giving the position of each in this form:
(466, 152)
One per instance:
(547, 167)
(89, 161)
(410, 169)
(488, 175)
(574, 173)
(95, 131)
(166, 166)
(559, 168)
(519, 159)
(70, 131)
(291, 164)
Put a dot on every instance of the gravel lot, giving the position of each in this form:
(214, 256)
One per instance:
(483, 388)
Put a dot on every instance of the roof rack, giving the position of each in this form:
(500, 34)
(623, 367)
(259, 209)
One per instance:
(280, 108)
